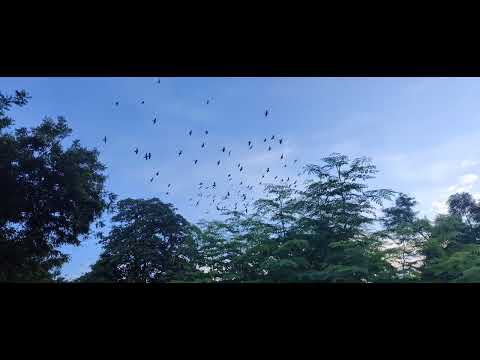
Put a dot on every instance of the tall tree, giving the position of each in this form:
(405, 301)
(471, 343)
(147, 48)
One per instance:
(148, 242)
(50, 195)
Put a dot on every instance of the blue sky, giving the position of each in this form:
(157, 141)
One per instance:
(422, 133)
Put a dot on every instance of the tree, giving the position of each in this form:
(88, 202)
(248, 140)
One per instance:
(464, 207)
(148, 242)
(50, 195)
(406, 232)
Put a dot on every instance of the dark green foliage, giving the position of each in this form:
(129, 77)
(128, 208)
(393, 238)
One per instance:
(148, 242)
(50, 195)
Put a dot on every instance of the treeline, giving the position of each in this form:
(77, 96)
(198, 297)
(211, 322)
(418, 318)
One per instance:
(335, 229)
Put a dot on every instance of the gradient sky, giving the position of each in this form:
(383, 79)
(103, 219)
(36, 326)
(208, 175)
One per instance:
(422, 133)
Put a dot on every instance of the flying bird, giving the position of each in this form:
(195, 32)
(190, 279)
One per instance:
(143, 102)
(157, 173)
(218, 163)
(169, 185)
(280, 141)
(229, 152)
(158, 81)
(265, 140)
(190, 133)
(154, 121)
(195, 162)
(223, 150)
(241, 168)
(116, 103)
(206, 132)
(269, 148)
(249, 143)
(268, 170)
(136, 151)
(281, 157)
(105, 139)
(151, 180)
(203, 145)
(273, 137)
(146, 156)
(266, 113)
(285, 165)
(180, 152)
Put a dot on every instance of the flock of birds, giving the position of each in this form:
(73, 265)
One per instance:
(238, 195)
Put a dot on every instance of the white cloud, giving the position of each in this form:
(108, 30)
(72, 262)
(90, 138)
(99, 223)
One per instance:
(469, 163)
(440, 207)
(469, 179)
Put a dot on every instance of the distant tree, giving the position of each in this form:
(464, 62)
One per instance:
(50, 195)
(463, 206)
(407, 232)
(148, 242)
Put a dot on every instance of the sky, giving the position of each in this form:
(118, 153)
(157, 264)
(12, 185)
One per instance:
(421, 133)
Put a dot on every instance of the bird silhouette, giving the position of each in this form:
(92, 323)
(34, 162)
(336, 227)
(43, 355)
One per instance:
(105, 139)
(268, 170)
(190, 133)
(206, 132)
(238, 165)
(281, 157)
(249, 143)
(180, 152)
(241, 168)
(265, 140)
(251, 147)
(223, 150)
(169, 185)
(280, 141)
(154, 121)
(208, 101)
(214, 184)
(116, 103)
(151, 180)
(269, 148)
(229, 152)
(195, 162)
(136, 151)
(285, 165)
(203, 145)
(158, 81)
(294, 161)
(143, 102)
(273, 137)
(218, 162)
(266, 113)
(157, 173)
(146, 156)
(275, 177)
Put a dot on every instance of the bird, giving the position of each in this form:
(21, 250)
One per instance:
(116, 103)
(154, 121)
(203, 145)
(229, 152)
(269, 148)
(167, 192)
(197, 203)
(208, 101)
(265, 140)
(266, 113)
(280, 141)
(229, 175)
(143, 102)
(206, 132)
(241, 168)
(273, 137)
(190, 133)
(275, 177)
(180, 152)
(146, 156)
(288, 179)
(294, 161)
(214, 184)
(218, 163)
(136, 151)
(249, 143)
(241, 182)
(223, 150)
(268, 170)
(158, 81)
(238, 165)
(285, 165)
(105, 139)
(195, 162)
(281, 157)
(149, 156)
(169, 185)
(228, 193)
(157, 173)
(251, 147)
(151, 179)
(263, 176)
